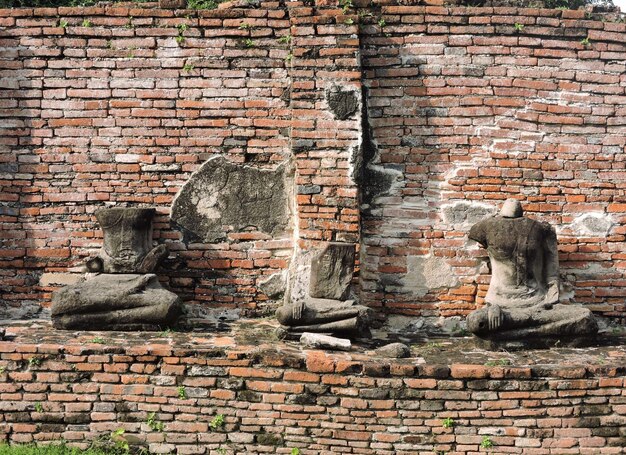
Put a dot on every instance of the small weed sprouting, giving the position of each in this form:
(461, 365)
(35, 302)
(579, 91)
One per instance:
(38, 407)
(203, 4)
(182, 393)
(295, 451)
(35, 361)
(498, 363)
(182, 28)
(248, 42)
(221, 451)
(217, 422)
(486, 443)
(346, 5)
(110, 44)
(447, 422)
(3, 370)
(118, 439)
(382, 22)
(585, 42)
(86, 23)
(153, 423)
(129, 24)
(349, 21)
(431, 347)
(188, 67)
(285, 39)
(63, 23)
(518, 27)
(289, 58)
(245, 26)
(131, 53)
(98, 340)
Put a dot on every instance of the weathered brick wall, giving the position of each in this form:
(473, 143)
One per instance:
(274, 400)
(470, 106)
(463, 108)
(119, 105)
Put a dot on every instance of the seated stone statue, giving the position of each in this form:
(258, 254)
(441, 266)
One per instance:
(523, 295)
(120, 293)
(317, 296)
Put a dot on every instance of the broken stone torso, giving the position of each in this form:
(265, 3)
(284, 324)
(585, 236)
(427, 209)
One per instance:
(523, 295)
(127, 245)
(120, 293)
(522, 269)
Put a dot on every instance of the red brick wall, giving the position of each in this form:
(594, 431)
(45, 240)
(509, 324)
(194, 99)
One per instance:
(465, 105)
(461, 104)
(123, 111)
(77, 391)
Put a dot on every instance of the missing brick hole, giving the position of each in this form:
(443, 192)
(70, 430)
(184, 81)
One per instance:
(256, 158)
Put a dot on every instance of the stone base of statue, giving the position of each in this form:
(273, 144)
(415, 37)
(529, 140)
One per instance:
(115, 302)
(536, 327)
(326, 316)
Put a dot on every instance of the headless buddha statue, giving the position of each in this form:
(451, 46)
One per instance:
(523, 297)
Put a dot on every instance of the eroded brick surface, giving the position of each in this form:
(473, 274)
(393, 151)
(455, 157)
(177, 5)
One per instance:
(274, 396)
(462, 107)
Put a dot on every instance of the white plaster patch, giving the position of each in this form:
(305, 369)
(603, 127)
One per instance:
(596, 223)
(466, 213)
(426, 273)
(207, 205)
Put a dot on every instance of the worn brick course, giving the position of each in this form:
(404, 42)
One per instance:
(64, 386)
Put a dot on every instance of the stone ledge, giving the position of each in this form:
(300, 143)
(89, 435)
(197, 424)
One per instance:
(454, 358)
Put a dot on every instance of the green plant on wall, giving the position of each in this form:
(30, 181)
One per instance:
(486, 443)
(346, 5)
(217, 422)
(119, 441)
(203, 4)
(153, 423)
(182, 28)
(247, 42)
(448, 422)
(182, 392)
(86, 23)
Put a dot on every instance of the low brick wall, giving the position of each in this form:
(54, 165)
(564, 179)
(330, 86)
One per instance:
(275, 397)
